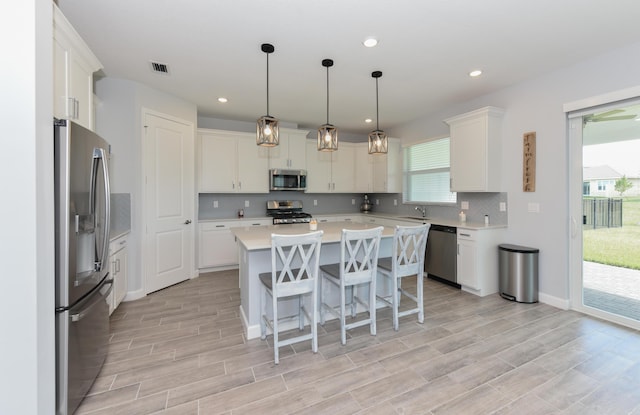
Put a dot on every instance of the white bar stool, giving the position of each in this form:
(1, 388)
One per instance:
(409, 246)
(284, 281)
(358, 263)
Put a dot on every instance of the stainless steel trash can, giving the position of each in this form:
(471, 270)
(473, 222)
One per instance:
(518, 273)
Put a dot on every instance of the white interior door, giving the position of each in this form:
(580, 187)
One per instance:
(169, 197)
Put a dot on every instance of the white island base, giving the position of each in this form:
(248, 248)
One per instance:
(254, 248)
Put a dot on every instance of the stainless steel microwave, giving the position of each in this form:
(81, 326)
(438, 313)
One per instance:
(280, 179)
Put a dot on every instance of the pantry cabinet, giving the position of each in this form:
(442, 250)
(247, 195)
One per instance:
(476, 144)
(73, 68)
(231, 162)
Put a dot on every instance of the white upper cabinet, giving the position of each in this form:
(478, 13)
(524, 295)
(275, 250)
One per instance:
(331, 171)
(379, 173)
(475, 150)
(231, 162)
(291, 152)
(73, 68)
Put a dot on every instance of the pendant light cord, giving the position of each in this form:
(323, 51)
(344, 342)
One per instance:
(327, 95)
(267, 84)
(377, 112)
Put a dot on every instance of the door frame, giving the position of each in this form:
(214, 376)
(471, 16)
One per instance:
(144, 203)
(575, 111)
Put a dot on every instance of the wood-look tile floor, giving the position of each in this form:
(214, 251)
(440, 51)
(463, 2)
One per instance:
(182, 351)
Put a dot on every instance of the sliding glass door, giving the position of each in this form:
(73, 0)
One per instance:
(604, 151)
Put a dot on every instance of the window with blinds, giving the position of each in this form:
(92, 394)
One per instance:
(426, 172)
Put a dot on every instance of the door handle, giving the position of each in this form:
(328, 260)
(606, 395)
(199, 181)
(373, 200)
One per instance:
(188, 221)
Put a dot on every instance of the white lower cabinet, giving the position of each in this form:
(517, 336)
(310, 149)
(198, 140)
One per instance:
(477, 260)
(118, 254)
(216, 244)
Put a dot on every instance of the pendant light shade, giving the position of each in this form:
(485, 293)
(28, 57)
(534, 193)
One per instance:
(378, 143)
(267, 131)
(327, 133)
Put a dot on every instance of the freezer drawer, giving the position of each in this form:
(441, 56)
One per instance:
(82, 336)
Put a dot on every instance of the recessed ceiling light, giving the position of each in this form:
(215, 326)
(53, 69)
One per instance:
(368, 120)
(370, 42)
(475, 73)
(222, 99)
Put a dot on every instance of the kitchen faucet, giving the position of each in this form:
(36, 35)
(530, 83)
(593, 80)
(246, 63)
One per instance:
(423, 210)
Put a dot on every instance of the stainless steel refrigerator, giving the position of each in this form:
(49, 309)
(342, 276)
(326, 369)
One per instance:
(82, 261)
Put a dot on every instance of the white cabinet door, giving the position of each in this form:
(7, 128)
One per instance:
(253, 166)
(217, 245)
(475, 139)
(387, 169)
(118, 254)
(231, 162)
(217, 162)
(467, 272)
(73, 68)
(363, 169)
(343, 169)
(318, 169)
(291, 152)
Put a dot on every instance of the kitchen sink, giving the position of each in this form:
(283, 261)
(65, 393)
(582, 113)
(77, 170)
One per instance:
(413, 217)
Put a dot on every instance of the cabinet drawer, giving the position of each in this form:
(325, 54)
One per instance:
(468, 234)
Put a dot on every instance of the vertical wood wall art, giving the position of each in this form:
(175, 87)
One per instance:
(529, 162)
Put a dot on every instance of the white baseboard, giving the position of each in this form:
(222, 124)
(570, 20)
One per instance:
(554, 301)
(214, 269)
(134, 295)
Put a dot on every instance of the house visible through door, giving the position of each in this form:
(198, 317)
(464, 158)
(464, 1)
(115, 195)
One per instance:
(169, 201)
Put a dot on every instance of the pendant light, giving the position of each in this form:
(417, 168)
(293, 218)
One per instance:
(327, 133)
(377, 138)
(267, 133)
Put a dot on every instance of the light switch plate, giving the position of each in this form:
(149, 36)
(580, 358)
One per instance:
(534, 207)
(503, 207)
(395, 202)
(246, 203)
(215, 203)
(315, 202)
(353, 201)
(464, 205)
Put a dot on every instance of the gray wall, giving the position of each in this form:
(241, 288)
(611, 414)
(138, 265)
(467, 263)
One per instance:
(537, 105)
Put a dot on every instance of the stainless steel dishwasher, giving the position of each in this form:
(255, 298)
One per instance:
(440, 259)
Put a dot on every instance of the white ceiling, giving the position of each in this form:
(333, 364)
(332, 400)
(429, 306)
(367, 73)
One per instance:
(426, 49)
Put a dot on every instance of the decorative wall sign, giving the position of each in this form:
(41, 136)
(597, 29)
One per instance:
(529, 162)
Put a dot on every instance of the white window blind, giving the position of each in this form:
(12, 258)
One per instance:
(426, 172)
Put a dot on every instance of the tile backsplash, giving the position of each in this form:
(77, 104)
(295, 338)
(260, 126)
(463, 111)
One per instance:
(120, 213)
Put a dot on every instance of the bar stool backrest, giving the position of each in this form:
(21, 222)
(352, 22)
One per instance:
(359, 254)
(409, 246)
(294, 263)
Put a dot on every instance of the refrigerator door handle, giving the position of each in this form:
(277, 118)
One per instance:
(99, 154)
(87, 310)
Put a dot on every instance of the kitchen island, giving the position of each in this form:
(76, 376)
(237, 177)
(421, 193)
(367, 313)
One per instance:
(254, 250)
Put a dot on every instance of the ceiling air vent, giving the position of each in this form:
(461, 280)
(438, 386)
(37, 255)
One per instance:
(160, 68)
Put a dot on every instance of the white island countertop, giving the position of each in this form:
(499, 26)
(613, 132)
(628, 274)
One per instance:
(259, 237)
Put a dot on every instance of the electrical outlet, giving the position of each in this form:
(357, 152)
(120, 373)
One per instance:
(315, 202)
(503, 207)
(395, 202)
(377, 201)
(215, 203)
(534, 207)
(464, 205)
(246, 203)
(353, 201)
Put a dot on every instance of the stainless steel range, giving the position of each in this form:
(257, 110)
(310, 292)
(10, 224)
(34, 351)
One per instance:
(287, 212)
